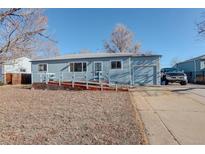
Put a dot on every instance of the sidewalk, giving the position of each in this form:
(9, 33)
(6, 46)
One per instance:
(171, 117)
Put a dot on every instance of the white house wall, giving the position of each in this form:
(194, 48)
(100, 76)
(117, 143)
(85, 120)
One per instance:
(15, 66)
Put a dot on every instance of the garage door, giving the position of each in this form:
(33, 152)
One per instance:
(144, 75)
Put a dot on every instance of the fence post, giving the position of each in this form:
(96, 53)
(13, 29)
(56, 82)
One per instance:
(115, 86)
(59, 79)
(31, 78)
(46, 78)
(73, 82)
(101, 86)
(86, 76)
(40, 77)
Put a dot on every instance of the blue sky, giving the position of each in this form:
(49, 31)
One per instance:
(169, 32)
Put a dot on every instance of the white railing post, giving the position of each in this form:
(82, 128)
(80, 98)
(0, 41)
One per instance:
(101, 86)
(61, 76)
(46, 77)
(86, 80)
(115, 86)
(59, 79)
(41, 80)
(31, 77)
(73, 82)
(109, 78)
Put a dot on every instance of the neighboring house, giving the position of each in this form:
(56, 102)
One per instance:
(194, 68)
(120, 68)
(14, 70)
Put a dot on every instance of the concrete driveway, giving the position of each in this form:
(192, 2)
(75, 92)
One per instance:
(172, 114)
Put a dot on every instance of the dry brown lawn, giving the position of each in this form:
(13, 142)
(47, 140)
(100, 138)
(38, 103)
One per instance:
(66, 117)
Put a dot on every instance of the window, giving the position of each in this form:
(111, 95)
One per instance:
(202, 65)
(22, 70)
(116, 64)
(78, 67)
(98, 66)
(84, 67)
(42, 67)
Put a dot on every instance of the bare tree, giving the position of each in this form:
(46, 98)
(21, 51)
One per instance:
(23, 32)
(201, 26)
(121, 41)
(136, 48)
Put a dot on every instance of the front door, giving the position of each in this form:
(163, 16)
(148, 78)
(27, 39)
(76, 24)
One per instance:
(97, 70)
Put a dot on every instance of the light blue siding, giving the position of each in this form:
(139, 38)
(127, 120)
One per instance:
(191, 68)
(131, 66)
(146, 70)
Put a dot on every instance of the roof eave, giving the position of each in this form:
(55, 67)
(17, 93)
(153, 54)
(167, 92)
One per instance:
(52, 59)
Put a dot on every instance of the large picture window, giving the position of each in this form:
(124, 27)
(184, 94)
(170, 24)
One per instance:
(42, 67)
(116, 64)
(78, 67)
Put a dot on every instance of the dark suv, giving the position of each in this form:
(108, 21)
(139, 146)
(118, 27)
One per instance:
(171, 75)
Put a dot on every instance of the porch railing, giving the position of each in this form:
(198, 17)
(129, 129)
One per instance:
(79, 77)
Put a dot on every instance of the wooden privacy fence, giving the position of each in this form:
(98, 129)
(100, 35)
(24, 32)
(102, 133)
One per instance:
(17, 78)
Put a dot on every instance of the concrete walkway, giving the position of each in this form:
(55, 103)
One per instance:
(172, 115)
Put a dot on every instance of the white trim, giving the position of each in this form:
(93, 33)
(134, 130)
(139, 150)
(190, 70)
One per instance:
(68, 66)
(43, 64)
(116, 68)
(78, 62)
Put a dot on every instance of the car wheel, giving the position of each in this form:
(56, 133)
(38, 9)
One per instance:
(183, 83)
(166, 82)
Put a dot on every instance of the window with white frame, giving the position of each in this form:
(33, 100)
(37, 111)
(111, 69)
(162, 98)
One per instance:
(202, 64)
(22, 70)
(117, 64)
(78, 67)
(42, 67)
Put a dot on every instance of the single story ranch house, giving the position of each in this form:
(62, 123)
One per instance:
(112, 68)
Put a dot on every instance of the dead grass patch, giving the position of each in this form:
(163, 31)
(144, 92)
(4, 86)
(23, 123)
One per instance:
(66, 117)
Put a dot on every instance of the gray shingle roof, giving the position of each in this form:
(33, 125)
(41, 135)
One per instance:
(94, 55)
(202, 57)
